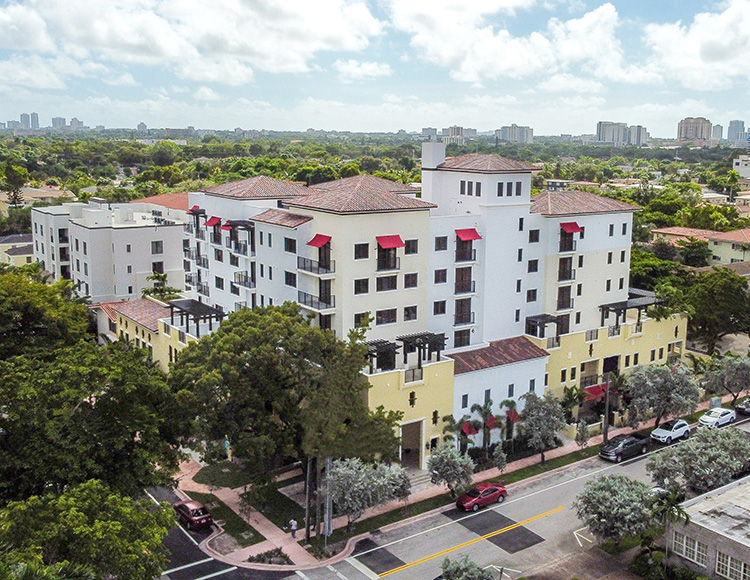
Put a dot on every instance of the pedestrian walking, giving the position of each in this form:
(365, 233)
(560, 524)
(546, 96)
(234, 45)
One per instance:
(293, 527)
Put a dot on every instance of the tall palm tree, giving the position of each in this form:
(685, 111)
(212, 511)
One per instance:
(510, 405)
(455, 429)
(486, 423)
(667, 509)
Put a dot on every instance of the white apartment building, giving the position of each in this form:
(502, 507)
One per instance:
(741, 164)
(109, 250)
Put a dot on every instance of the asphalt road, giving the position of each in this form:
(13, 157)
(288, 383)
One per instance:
(535, 525)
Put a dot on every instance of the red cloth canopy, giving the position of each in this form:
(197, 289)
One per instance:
(595, 391)
(211, 222)
(468, 428)
(319, 241)
(194, 208)
(512, 414)
(571, 227)
(468, 235)
(491, 422)
(388, 242)
(226, 227)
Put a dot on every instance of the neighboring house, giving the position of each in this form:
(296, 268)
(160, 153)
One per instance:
(676, 234)
(726, 247)
(32, 195)
(716, 541)
(741, 165)
(16, 249)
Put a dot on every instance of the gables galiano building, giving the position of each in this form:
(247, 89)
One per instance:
(476, 289)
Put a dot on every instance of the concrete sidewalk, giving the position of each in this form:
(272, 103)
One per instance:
(302, 559)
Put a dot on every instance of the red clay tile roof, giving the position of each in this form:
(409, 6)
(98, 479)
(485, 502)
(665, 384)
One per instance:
(281, 218)
(739, 236)
(169, 200)
(485, 164)
(359, 199)
(574, 202)
(499, 352)
(260, 186)
(696, 233)
(142, 311)
(364, 182)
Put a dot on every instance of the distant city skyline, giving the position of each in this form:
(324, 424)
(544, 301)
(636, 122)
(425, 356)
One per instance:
(557, 66)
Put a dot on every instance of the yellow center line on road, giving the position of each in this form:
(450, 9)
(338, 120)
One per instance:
(471, 542)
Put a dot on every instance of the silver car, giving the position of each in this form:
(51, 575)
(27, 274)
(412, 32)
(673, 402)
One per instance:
(671, 430)
(717, 417)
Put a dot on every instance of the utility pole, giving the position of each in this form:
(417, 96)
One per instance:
(605, 425)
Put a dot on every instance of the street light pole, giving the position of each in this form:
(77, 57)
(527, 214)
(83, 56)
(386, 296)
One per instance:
(605, 425)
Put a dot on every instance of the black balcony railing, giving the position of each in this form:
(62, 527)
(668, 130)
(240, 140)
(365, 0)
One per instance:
(565, 275)
(465, 287)
(191, 279)
(240, 305)
(567, 245)
(315, 302)
(203, 289)
(413, 375)
(389, 264)
(244, 279)
(614, 331)
(592, 335)
(564, 303)
(466, 255)
(463, 318)
(316, 267)
(189, 228)
(589, 380)
(202, 261)
(200, 234)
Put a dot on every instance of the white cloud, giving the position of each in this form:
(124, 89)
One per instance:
(206, 94)
(354, 70)
(568, 83)
(123, 80)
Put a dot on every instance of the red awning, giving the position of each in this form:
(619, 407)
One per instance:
(594, 392)
(226, 227)
(512, 414)
(211, 222)
(319, 241)
(491, 422)
(388, 242)
(468, 428)
(571, 227)
(194, 208)
(468, 234)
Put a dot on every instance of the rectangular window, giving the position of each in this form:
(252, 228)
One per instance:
(290, 279)
(690, 549)
(520, 224)
(157, 267)
(580, 261)
(359, 319)
(653, 354)
(624, 229)
(487, 395)
(157, 247)
(464, 401)
(361, 251)
(511, 390)
(532, 385)
(410, 313)
(218, 255)
(608, 285)
(518, 315)
(621, 283)
(531, 295)
(520, 254)
(635, 360)
(661, 353)
(533, 266)
(410, 280)
(261, 270)
(462, 189)
(385, 316)
(609, 257)
(362, 286)
(470, 188)
(270, 272)
(260, 240)
(441, 243)
(290, 245)
(627, 360)
(578, 318)
(730, 567)
(234, 260)
(582, 232)
(411, 247)
(518, 285)
(441, 276)
(219, 282)
(130, 289)
(533, 236)
(611, 230)
(478, 190)
(572, 373)
(438, 307)
(622, 257)
(386, 283)
(563, 375)
(461, 338)
(518, 188)
(85, 249)
(234, 289)
(85, 269)
(500, 190)
(270, 241)
(127, 248)
(509, 189)
(130, 269)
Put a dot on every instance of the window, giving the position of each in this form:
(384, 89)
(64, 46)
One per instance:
(78, 265)
(387, 283)
(508, 189)
(582, 232)
(624, 229)
(157, 247)
(438, 307)
(531, 295)
(359, 318)
(621, 283)
(578, 318)
(410, 280)
(487, 395)
(85, 248)
(478, 190)
(130, 289)
(270, 240)
(290, 245)
(518, 285)
(520, 224)
(260, 240)
(441, 276)
(462, 189)
(218, 255)
(563, 375)
(362, 286)
(219, 283)
(627, 360)
(572, 373)
(608, 285)
(410, 313)
(690, 549)
(127, 248)
(518, 315)
(461, 338)
(385, 316)
(611, 230)
(580, 261)
(661, 353)
(85, 268)
(635, 359)
(532, 385)
(234, 260)
(622, 257)
(511, 389)
(290, 279)
(157, 267)
(730, 567)
(411, 247)
(470, 188)
(520, 254)
(518, 188)
(653, 354)
(441, 243)
(234, 289)
(361, 251)
(609, 257)
(533, 266)
(270, 272)
(261, 270)
(464, 401)
(533, 236)
(499, 190)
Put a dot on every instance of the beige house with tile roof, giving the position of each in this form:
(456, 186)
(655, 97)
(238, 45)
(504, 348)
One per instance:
(726, 247)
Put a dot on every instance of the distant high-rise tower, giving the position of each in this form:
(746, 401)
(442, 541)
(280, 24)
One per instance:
(736, 130)
(142, 127)
(609, 132)
(694, 129)
(515, 134)
(35, 121)
(717, 132)
(25, 121)
(58, 122)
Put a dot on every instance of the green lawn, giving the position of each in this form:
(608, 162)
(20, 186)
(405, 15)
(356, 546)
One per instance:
(224, 474)
(234, 525)
(280, 509)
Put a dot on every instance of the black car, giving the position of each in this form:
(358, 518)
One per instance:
(624, 447)
(743, 407)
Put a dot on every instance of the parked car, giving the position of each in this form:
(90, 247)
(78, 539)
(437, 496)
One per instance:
(624, 447)
(717, 417)
(193, 514)
(481, 495)
(743, 407)
(671, 430)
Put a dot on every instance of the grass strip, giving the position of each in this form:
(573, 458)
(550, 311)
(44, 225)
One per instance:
(280, 509)
(224, 474)
(234, 525)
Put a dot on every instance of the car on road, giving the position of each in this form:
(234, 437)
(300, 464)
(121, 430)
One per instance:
(481, 495)
(743, 407)
(193, 514)
(624, 447)
(717, 417)
(671, 430)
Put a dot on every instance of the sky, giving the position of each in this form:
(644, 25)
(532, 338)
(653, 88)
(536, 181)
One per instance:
(558, 66)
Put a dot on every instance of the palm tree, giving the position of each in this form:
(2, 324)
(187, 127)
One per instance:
(666, 508)
(486, 424)
(510, 405)
(572, 397)
(455, 430)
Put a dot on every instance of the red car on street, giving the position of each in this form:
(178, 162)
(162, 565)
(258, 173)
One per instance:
(193, 514)
(481, 495)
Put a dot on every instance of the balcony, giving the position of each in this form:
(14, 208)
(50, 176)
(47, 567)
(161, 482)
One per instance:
(413, 375)
(189, 229)
(553, 342)
(203, 289)
(466, 255)
(465, 287)
(589, 380)
(566, 275)
(315, 302)
(567, 246)
(613, 331)
(202, 261)
(64, 239)
(592, 335)
(190, 253)
(389, 264)
(638, 328)
(564, 303)
(244, 279)
(200, 234)
(216, 239)
(315, 267)
(463, 319)
(239, 305)
(191, 279)
(64, 255)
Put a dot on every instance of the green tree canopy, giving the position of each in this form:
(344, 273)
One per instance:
(15, 177)
(542, 418)
(660, 391)
(447, 465)
(730, 376)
